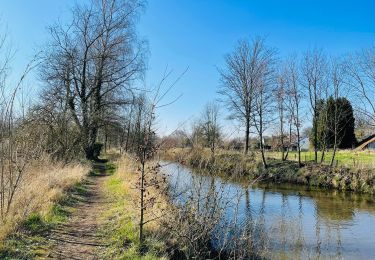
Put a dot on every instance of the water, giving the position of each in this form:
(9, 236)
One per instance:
(297, 222)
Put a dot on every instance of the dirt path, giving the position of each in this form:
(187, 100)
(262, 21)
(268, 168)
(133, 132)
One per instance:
(79, 238)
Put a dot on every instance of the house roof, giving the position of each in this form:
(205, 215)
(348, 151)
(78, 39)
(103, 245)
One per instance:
(362, 145)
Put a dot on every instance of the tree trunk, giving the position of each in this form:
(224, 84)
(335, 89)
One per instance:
(333, 154)
(290, 140)
(105, 140)
(322, 157)
(247, 135)
(315, 136)
(263, 157)
(141, 222)
(299, 147)
(127, 138)
(90, 140)
(261, 142)
(281, 112)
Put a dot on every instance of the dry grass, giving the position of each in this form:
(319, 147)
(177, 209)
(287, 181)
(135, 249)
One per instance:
(42, 185)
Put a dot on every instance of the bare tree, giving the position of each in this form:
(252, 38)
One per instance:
(337, 76)
(262, 116)
(294, 100)
(264, 99)
(210, 128)
(313, 76)
(145, 146)
(145, 150)
(280, 93)
(323, 128)
(127, 127)
(239, 80)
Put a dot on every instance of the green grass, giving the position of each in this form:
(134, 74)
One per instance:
(35, 224)
(349, 158)
(122, 228)
(22, 246)
(365, 159)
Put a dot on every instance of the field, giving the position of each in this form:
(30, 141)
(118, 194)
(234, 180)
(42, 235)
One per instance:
(349, 158)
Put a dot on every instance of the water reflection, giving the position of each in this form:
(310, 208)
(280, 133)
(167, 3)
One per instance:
(298, 222)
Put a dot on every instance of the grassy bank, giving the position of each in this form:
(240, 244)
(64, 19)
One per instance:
(233, 163)
(122, 230)
(347, 158)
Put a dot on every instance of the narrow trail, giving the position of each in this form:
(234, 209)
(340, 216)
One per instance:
(80, 238)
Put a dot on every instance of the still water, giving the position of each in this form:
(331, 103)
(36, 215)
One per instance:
(298, 222)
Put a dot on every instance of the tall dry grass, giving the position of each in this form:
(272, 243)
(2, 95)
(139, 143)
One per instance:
(42, 185)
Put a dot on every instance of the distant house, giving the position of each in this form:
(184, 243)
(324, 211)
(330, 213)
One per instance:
(367, 143)
(292, 147)
(274, 143)
(289, 143)
(305, 144)
(266, 144)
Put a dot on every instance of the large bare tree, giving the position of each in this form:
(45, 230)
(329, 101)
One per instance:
(92, 62)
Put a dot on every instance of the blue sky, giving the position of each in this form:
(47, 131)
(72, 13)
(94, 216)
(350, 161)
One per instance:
(197, 34)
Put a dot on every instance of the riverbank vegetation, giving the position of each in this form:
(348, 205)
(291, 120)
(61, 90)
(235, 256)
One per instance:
(231, 163)
(172, 230)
